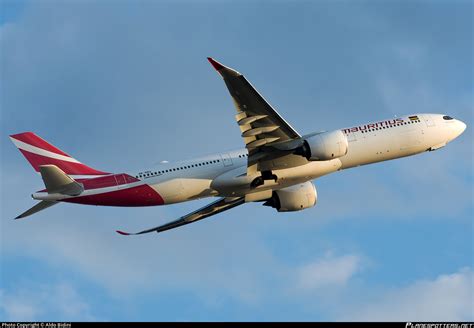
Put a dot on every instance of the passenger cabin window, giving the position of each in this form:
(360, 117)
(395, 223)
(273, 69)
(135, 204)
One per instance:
(447, 118)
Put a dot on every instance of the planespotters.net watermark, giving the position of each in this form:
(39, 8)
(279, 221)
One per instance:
(439, 325)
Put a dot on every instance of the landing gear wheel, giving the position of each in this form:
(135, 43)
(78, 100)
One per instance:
(266, 175)
(258, 181)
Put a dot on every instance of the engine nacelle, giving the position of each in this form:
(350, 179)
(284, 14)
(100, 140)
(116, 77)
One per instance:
(294, 198)
(324, 146)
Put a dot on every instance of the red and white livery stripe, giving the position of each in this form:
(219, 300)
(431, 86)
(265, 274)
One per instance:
(32, 139)
(39, 152)
(42, 152)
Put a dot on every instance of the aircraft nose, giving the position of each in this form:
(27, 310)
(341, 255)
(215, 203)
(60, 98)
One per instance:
(460, 127)
(457, 129)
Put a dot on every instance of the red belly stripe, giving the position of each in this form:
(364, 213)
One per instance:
(143, 195)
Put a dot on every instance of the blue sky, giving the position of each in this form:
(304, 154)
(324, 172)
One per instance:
(122, 85)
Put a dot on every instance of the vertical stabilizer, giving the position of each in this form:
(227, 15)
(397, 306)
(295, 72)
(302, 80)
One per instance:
(40, 152)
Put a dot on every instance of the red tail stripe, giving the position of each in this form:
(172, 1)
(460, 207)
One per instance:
(68, 167)
(32, 139)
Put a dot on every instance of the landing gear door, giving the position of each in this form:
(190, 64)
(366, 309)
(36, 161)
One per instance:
(226, 159)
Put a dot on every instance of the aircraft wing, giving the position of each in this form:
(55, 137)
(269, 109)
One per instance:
(220, 205)
(260, 124)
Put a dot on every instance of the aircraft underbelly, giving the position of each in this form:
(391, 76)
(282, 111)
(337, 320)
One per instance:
(181, 190)
(236, 183)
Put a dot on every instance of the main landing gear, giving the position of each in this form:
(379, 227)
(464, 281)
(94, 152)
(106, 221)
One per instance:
(266, 175)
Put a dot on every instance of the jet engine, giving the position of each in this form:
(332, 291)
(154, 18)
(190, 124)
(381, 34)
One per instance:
(324, 146)
(294, 198)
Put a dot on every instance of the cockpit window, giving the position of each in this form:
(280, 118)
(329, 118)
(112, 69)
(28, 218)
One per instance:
(446, 117)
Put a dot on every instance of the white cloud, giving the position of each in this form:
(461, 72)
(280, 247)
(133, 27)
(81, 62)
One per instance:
(449, 297)
(328, 272)
(14, 308)
(58, 301)
(201, 259)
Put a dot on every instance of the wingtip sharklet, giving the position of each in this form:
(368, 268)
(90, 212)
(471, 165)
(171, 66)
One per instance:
(123, 233)
(224, 71)
(218, 66)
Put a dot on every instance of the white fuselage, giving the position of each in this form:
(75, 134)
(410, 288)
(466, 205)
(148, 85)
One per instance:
(224, 174)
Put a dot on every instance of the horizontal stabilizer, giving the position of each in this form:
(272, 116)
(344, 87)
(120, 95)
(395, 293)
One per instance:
(38, 207)
(56, 181)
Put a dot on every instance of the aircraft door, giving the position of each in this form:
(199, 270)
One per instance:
(120, 179)
(226, 159)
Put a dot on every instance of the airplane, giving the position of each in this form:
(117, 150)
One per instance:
(276, 167)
